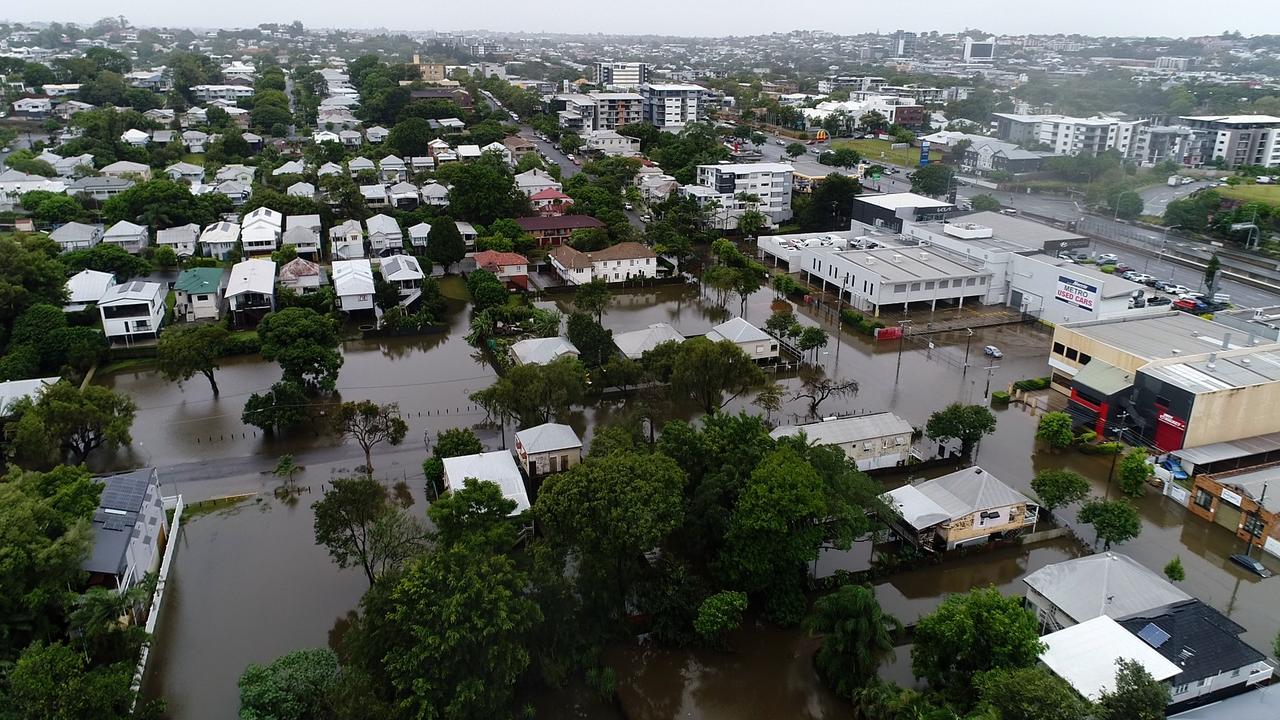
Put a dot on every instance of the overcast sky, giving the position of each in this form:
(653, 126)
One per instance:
(686, 17)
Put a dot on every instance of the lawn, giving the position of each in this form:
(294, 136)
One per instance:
(1266, 194)
(870, 150)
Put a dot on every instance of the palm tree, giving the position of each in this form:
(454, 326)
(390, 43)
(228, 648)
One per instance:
(286, 468)
(857, 636)
(101, 614)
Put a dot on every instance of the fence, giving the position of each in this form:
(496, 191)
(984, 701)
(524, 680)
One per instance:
(157, 599)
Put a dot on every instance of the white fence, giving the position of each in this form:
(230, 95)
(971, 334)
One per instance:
(153, 614)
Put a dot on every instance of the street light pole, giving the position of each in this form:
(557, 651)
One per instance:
(902, 334)
(840, 319)
(1121, 416)
(968, 339)
(991, 369)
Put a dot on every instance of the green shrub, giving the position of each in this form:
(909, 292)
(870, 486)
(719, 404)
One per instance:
(999, 397)
(1108, 269)
(1087, 436)
(242, 343)
(1032, 384)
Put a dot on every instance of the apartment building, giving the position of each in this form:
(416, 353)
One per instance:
(672, 105)
(205, 93)
(1238, 140)
(852, 83)
(1066, 135)
(732, 189)
(621, 74)
(1157, 144)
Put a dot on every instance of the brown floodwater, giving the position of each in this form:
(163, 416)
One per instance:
(250, 584)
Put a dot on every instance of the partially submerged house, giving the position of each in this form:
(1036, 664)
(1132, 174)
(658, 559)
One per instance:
(198, 294)
(251, 290)
(1073, 591)
(405, 273)
(540, 351)
(130, 529)
(353, 285)
(548, 448)
(636, 343)
(511, 268)
(873, 441)
(756, 343)
(967, 507)
(132, 311)
(1085, 656)
(497, 467)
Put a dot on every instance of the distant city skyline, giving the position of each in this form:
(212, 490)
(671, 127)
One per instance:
(1137, 18)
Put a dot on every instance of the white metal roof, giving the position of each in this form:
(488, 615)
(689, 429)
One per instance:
(131, 292)
(956, 495)
(1085, 655)
(402, 267)
(88, 286)
(352, 277)
(382, 224)
(497, 467)
(15, 390)
(252, 276)
(736, 330)
(540, 351)
(838, 431)
(548, 437)
(894, 201)
(634, 344)
(1104, 584)
(917, 509)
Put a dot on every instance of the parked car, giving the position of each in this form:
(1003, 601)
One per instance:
(1175, 468)
(1159, 300)
(1161, 285)
(1107, 259)
(646, 218)
(1223, 298)
(1122, 268)
(1178, 290)
(780, 141)
(1143, 278)
(993, 351)
(1009, 211)
(1251, 565)
(628, 206)
(1126, 274)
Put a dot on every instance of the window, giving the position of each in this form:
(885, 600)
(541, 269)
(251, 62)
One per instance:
(1084, 359)
(202, 298)
(1059, 349)
(928, 285)
(901, 287)
(1203, 498)
(1071, 354)
(915, 287)
(1181, 689)
(1254, 525)
(971, 282)
(1235, 673)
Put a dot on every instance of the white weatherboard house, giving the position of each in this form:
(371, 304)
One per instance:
(251, 289)
(756, 343)
(1085, 656)
(967, 507)
(636, 343)
(219, 239)
(127, 236)
(405, 272)
(548, 448)
(77, 236)
(353, 284)
(385, 236)
(418, 234)
(260, 230)
(1073, 591)
(86, 288)
(346, 241)
(182, 239)
(497, 467)
(540, 351)
(12, 391)
(130, 529)
(132, 311)
(878, 440)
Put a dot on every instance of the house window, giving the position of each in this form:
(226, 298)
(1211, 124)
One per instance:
(1085, 358)
(1204, 499)
(202, 298)
(915, 287)
(1071, 354)
(1059, 349)
(901, 287)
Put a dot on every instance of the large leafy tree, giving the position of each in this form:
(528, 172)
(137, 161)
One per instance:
(105, 257)
(445, 245)
(66, 418)
(296, 686)
(370, 424)
(857, 635)
(482, 191)
(1114, 521)
(461, 620)
(185, 350)
(593, 298)
(55, 682)
(305, 343)
(1055, 488)
(282, 406)
(706, 371)
(475, 514)
(1055, 428)
(1132, 472)
(934, 179)
(966, 423)
(1030, 693)
(360, 526)
(1137, 695)
(162, 203)
(535, 394)
(610, 511)
(594, 342)
(29, 274)
(970, 633)
(830, 205)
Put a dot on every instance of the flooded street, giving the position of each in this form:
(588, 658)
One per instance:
(251, 585)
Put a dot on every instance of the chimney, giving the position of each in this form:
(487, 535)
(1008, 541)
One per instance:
(1226, 341)
(1213, 360)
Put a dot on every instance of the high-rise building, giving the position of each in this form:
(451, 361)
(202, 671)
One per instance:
(1065, 135)
(732, 189)
(904, 43)
(621, 74)
(978, 51)
(673, 105)
(1237, 140)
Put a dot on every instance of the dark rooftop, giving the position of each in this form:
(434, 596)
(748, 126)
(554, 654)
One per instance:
(1201, 640)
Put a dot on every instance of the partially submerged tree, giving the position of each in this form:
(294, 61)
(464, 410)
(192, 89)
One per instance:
(370, 424)
(1115, 521)
(1055, 428)
(185, 350)
(966, 423)
(857, 636)
(1056, 488)
(358, 524)
(66, 418)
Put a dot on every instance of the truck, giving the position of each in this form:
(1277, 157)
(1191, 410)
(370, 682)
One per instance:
(1174, 181)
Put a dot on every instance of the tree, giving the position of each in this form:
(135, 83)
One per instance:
(817, 388)
(830, 203)
(570, 142)
(594, 342)
(286, 467)
(985, 203)
(812, 338)
(184, 350)
(769, 399)
(873, 122)
(30, 274)
(934, 179)
(282, 406)
(445, 245)
(1115, 521)
(486, 289)
(535, 394)
(370, 424)
(611, 510)
(718, 615)
(1029, 693)
(106, 257)
(593, 297)
(1137, 695)
(857, 635)
(1056, 488)
(1055, 429)
(449, 443)
(706, 371)
(971, 633)
(54, 682)
(410, 136)
(794, 149)
(1134, 471)
(305, 343)
(359, 526)
(296, 686)
(966, 423)
(1211, 270)
(459, 602)
(476, 514)
(482, 191)
(1127, 204)
(751, 222)
(67, 418)
(1174, 571)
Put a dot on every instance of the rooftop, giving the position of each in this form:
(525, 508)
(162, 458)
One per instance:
(1104, 584)
(748, 168)
(1152, 337)
(908, 264)
(1253, 482)
(119, 510)
(1015, 230)
(1200, 641)
(547, 437)
(352, 277)
(540, 351)
(497, 467)
(562, 222)
(1217, 371)
(1085, 655)
(737, 330)
(896, 201)
(838, 431)
(952, 496)
(252, 276)
(15, 390)
(199, 281)
(635, 343)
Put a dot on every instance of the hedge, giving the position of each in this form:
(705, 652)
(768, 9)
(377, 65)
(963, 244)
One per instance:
(1033, 384)
(999, 397)
(860, 323)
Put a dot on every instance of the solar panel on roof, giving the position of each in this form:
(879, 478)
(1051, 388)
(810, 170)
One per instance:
(1153, 635)
(113, 525)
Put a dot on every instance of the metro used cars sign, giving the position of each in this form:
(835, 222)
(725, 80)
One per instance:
(1078, 293)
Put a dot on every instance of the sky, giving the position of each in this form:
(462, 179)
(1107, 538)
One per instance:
(683, 17)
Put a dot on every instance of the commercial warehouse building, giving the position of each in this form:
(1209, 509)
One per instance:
(896, 277)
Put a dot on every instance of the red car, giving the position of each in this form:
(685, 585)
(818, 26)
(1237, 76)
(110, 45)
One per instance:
(1122, 268)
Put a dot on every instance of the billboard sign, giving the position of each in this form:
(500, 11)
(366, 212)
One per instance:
(924, 153)
(1077, 292)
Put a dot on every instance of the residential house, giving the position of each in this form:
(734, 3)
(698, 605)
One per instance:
(350, 138)
(162, 137)
(101, 188)
(198, 294)
(437, 146)
(467, 231)
(219, 239)
(303, 233)
(164, 116)
(548, 448)
(510, 267)
(302, 190)
(375, 196)
(500, 150)
(453, 124)
(966, 507)
(135, 137)
(127, 236)
(756, 343)
(182, 239)
(15, 391)
(421, 163)
(14, 184)
(127, 169)
(376, 134)
(85, 289)
(392, 169)
(873, 441)
(551, 202)
(324, 136)
(1214, 662)
(467, 153)
(185, 172)
(329, 168)
(291, 167)
(76, 236)
(68, 167)
(346, 241)
(301, 276)
(418, 235)
(69, 108)
(238, 193)
(195, 140)
(435, 194)
(1085, 656)
(254, 141)
(497, 467)
(132, 311)
(130, 530)
(242, 174)
(1073, 591)
(260, 230)
(611, 143)
(405, 272)
(518, 147)
(556, 230)
(385, 235)
(403, 196)
(251, 290)
(361, 164)
(540, 351)
(32, 108)
(616, 263)
(532, 181)
(636, 343)
(353, 284)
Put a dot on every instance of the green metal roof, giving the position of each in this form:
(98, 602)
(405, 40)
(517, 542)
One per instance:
(1104, 377)
(199, 281)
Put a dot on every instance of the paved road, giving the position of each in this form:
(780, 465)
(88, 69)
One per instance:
(1156, 199)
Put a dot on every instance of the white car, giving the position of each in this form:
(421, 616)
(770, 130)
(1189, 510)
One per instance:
(627, 206)
(781, 142)
(1179, 290)
(1105, 258)
(992, 351)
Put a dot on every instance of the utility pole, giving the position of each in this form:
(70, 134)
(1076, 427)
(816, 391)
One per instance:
(991, 369)
(967, 341)
(902, 334)
(840, 318)
(1121, 416)
(1248, 548)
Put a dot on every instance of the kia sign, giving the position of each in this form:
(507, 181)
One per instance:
(1078, 293)
(924, 153)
